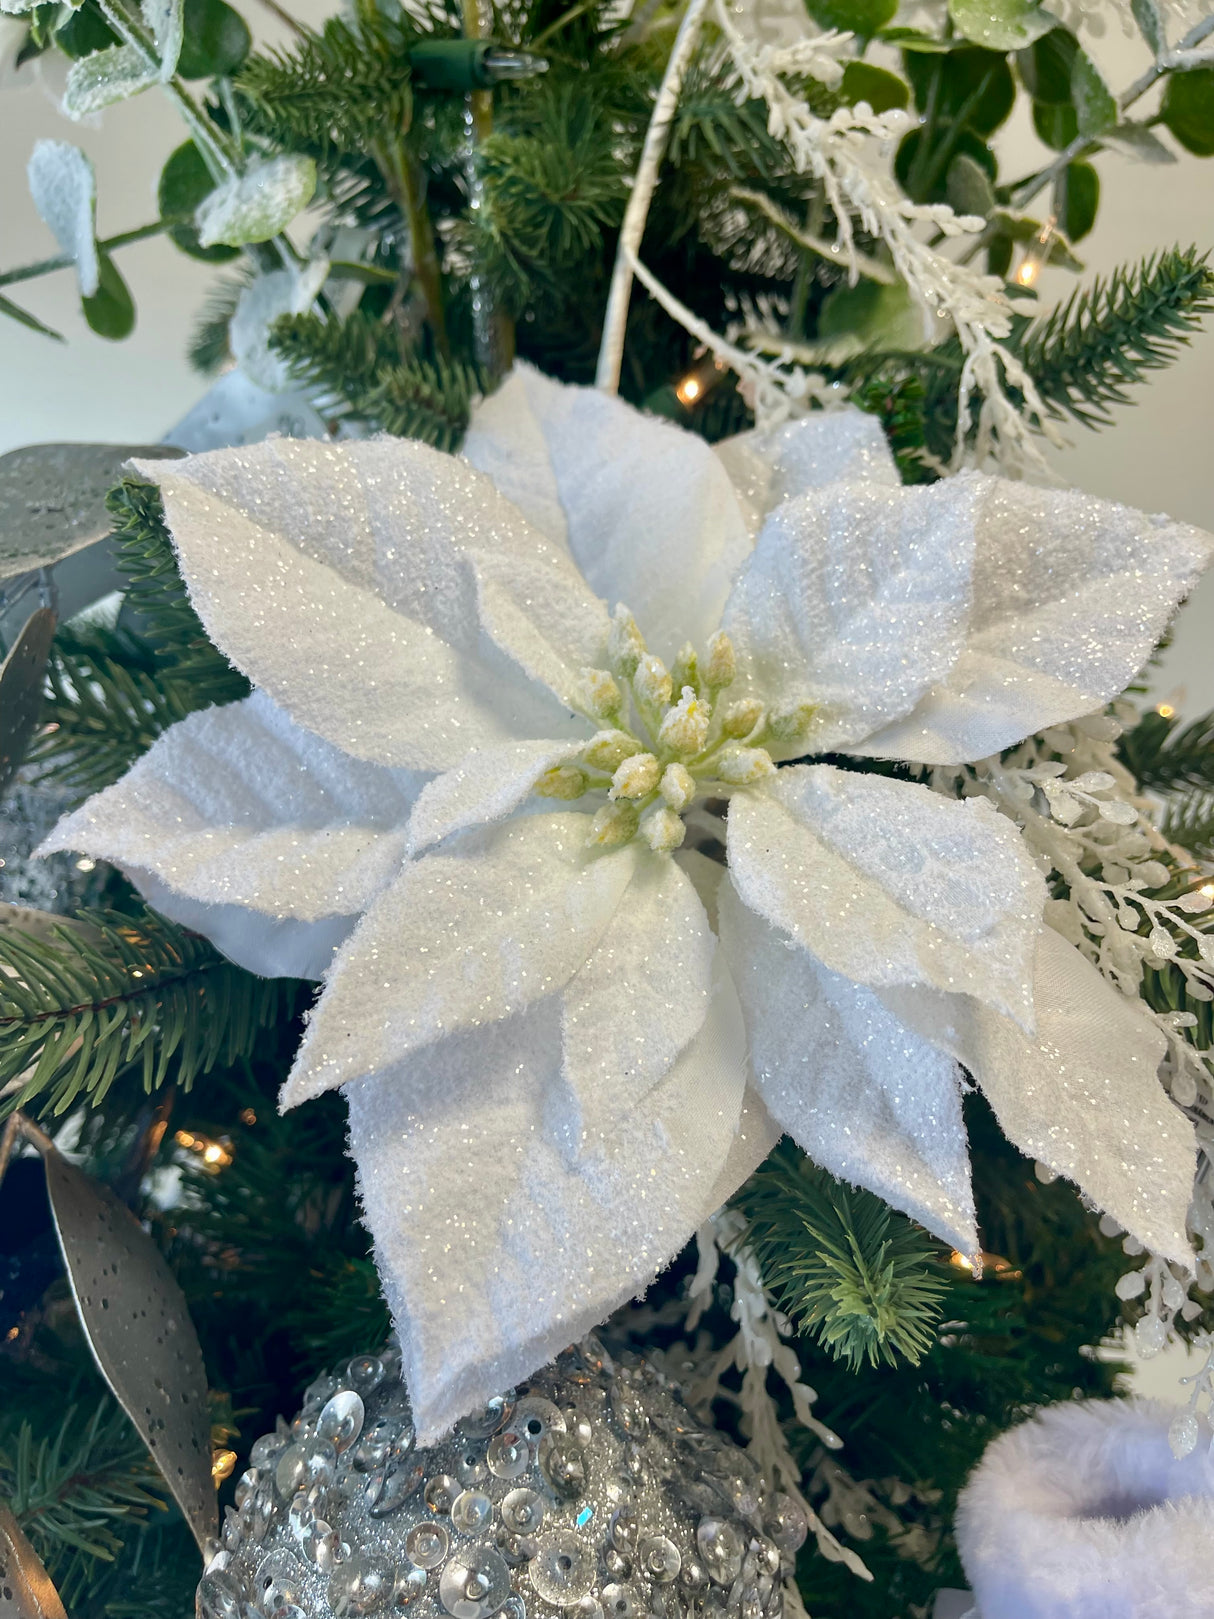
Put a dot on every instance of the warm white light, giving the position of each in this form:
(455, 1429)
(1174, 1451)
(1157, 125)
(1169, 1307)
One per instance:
(689, 390)
(1165, 711)
(85, 864)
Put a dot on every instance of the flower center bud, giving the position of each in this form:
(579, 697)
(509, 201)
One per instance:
(669, 738)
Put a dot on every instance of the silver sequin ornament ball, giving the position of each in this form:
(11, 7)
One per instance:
(590, 1493)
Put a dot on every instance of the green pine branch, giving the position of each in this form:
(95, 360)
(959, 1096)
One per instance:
(75, 1489)
(112, 993)
(1166, 756)
(359, 368)
(1086, 353)
(842, 1265)
(1189, 821)
(334, 91)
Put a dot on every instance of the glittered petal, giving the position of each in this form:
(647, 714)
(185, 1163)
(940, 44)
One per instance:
(486, 786)
(641, 996)
(494, 1249)
(649, 513)
(889, 883)
(779, 463)
(1084, 1096)
(865, 1097)
(1069, 596)
(385, 594)
(855, 600)
(461, 939)
(238, 823)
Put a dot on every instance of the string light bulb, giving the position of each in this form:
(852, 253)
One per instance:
(699, 382)
(1036, 255)
(1165, 711)
(223, 1465)
(216, 1155)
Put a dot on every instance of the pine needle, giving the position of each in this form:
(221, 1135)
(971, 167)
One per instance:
(843, 1266)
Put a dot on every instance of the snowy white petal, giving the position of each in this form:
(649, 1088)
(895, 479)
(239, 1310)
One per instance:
(495, 1251)
(647, 510)
(460, 939)
(889, 883)
(1083, 1096)
(863, 1095)
(640, 998)
(483, 788)
(854, 600)
(356, 583)
(264, 838)
(1068, 598)
(778, 463)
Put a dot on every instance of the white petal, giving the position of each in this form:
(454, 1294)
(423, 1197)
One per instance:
(460, 939)
(890, 883)
(1069, 597)
(855, 600)
(640, 998)
(779, 463)
(355, 583)
(495, 1251)
(864, 1096)
(252, 831)
(1084, 1096)
(648, 512)
(485, 787)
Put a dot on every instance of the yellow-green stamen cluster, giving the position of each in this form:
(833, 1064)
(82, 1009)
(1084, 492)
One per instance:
(667, 737)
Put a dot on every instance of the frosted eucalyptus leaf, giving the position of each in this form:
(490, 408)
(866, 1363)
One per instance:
(1001, 25)
(1137, 141)
(15, 8)
(64, 190)
(1150, 24)
(166, 19)
(253, 207)
(105, 77)
(1095, 108)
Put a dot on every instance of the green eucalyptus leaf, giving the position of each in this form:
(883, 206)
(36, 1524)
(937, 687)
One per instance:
(881, 89)
(969, 188)
(914, 39)
(1137, 141)
(876, 315)
(84, 32)
(964, 141)
(1045, 67)
(217, 40)
(1188, 110)
(999, 256)
(971, 81)
(1150, 24)
(1001, 25)
(111, 309)
(254, 206)
(1056, 126)
(185, 181)
(1095, 108)
(863, 17)
(1081, 188)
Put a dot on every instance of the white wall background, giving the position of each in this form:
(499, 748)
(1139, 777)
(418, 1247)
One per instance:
(1159, 455)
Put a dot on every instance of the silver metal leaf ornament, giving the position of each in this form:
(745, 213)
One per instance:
(139, 1329)
(21, 678)
(26, 1589)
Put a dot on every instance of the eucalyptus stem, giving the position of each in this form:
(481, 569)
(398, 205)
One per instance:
(1083, 145)
(405, 182)
(64, 261)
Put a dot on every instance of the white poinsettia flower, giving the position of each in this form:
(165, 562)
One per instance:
(514, 711)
